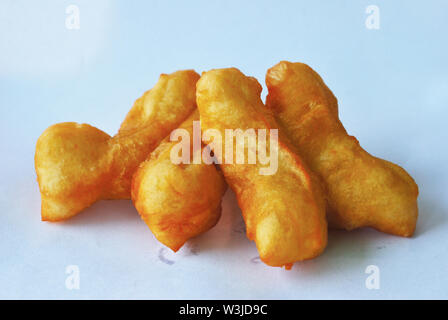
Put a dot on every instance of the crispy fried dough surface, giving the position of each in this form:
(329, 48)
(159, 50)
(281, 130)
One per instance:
(77, 164)
(362, 190)
(178, 201)
(285, 211)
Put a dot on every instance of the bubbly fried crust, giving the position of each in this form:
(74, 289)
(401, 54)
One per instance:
(284, 212)
(177, 201)
(77, 164)
(362, 190)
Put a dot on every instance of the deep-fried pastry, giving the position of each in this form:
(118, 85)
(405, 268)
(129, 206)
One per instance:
(178, 201)
(77, 164)
(362, 190)
(284, 211)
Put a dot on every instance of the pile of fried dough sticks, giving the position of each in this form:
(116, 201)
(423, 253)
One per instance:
(323, 176)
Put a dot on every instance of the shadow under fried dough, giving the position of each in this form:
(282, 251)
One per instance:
(356, 249)
(346, 250)
(105, 212)
(223, 236)
(432, 216)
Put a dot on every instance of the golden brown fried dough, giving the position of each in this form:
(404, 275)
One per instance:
(77, 164)
(362, 190)
(177, 201)
(284, 212)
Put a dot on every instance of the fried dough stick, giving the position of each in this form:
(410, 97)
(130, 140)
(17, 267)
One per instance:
(77, 164)
(363, 191)
(177, 201)
(284, 212)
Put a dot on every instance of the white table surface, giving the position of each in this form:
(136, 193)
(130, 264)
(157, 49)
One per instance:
(392, 86)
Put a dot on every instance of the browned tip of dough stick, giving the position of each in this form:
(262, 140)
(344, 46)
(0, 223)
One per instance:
(362, 190)
(284, 211)
(77, 164)
(177, 201)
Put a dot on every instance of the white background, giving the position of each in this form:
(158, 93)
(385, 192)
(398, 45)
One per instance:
(392, 86)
